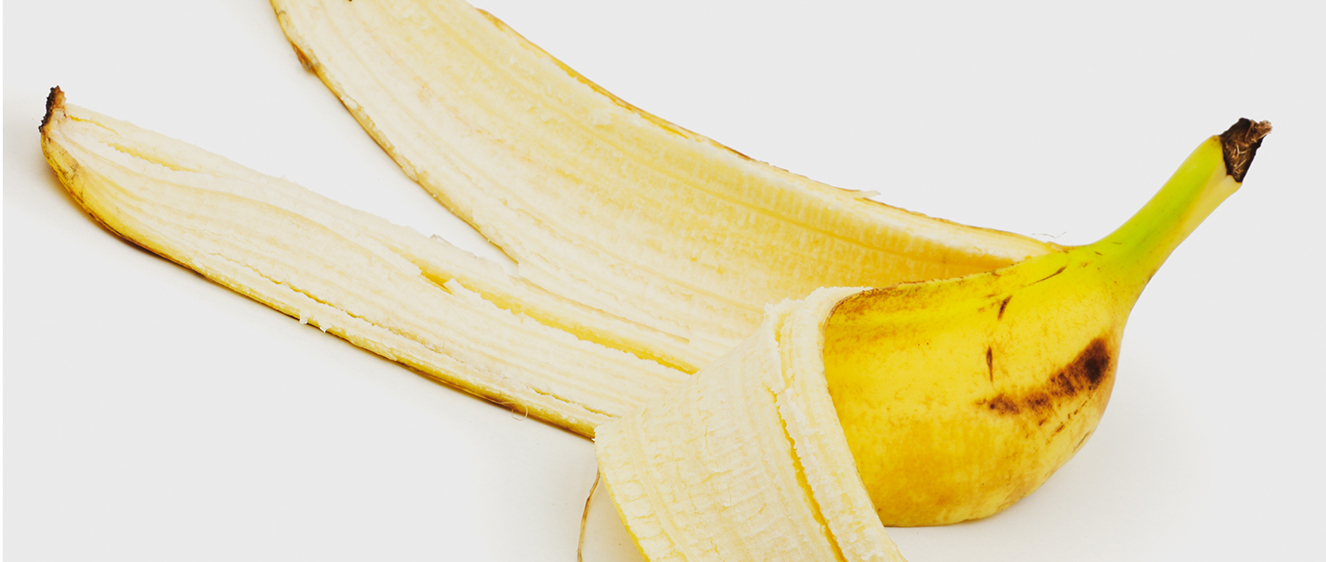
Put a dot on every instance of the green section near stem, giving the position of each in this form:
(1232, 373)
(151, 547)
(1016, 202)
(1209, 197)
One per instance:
(1138, 248)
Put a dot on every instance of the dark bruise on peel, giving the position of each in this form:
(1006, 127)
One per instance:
(1004, 305)
(1083, 374)
(1240, 144)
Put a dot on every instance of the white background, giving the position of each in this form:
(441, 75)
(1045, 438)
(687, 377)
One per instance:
(152, 415)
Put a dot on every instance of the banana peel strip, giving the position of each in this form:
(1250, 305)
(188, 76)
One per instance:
(746, 461)
(410, 298)
(598, 200)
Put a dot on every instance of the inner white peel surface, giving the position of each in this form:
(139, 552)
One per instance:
(408, 297)
(746, 461)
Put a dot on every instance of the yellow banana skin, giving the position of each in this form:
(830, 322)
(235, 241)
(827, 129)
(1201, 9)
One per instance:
(959, 397)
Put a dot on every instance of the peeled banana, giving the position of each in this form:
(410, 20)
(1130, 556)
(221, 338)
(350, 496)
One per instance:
(647, 252)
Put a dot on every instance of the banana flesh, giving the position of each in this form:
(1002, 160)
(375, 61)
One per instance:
(410, 298)
(597, 200)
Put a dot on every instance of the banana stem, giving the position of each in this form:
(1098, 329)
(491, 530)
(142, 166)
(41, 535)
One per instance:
(1211, 174)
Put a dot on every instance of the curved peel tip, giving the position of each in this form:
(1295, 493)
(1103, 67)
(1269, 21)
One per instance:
(54, 101)
(1240, 145)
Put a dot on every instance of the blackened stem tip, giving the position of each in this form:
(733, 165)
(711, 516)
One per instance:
(1240, 145)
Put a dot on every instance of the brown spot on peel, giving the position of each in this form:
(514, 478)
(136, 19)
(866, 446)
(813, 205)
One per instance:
(1240, 144)
(1004, 305)
(1060, 270)
(1083, 374)
(989, 360)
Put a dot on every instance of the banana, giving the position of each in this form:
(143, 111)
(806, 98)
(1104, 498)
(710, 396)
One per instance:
(950, 398)
(410, 298)
(597, 200)
(647, 252)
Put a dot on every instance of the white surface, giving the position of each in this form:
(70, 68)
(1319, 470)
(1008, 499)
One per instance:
(152, 415)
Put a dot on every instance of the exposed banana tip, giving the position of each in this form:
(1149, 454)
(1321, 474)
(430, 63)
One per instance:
(54, 101)
(1240, 145)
